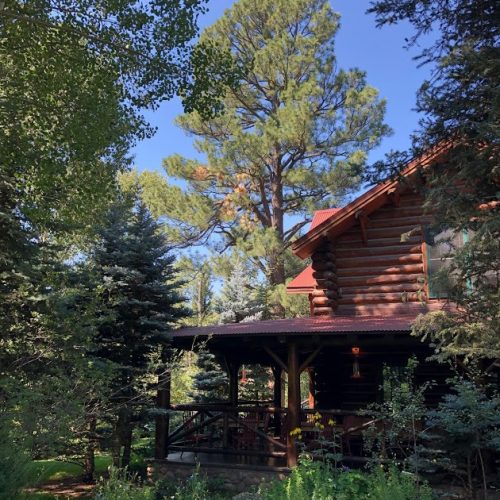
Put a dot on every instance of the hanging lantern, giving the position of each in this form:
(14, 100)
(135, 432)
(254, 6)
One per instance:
(356, 372)
(244, 378)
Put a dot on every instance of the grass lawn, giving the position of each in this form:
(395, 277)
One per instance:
(44, 471)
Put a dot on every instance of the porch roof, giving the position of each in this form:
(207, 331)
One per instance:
(322, 325)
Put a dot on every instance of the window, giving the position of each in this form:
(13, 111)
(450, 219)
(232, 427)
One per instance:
(439, 255)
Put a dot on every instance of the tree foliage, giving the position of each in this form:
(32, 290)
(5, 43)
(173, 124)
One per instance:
(459, 107)
(293, 136)
(140, 302)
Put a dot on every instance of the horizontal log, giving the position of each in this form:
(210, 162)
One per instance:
(322, 311)
(323, 301)
(367, 298)
(382, 309)
(414, 220)
(227, 451)
(379, 280)
(325, 284)
(331, 294)
(323, 266)
(325, 275)
(391, 212)
(361, 271)
(226, 408)
(355, 243)
(393, 288)
(385, 232)
(322, 256)
(380, 260)
(401, 249)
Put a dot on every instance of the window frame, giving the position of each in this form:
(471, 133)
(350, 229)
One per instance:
(432, 293)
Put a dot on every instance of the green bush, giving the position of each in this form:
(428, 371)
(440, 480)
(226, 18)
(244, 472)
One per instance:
(319, 481)
(197, 487)
(15, 468)
(122, 486)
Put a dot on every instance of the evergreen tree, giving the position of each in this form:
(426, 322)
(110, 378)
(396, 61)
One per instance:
(210, 383)
(238, 302)
(460, 106)
(140, 303)
(198, 277)
(294, 135)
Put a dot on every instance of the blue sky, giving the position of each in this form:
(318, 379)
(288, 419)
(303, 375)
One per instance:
(359, 43)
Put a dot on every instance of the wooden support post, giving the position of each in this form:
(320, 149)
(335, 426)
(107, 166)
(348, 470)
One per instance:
(277, 398)
(293, 416)
(162, 421)
(233, 384)
(312, 392)
(233, 369)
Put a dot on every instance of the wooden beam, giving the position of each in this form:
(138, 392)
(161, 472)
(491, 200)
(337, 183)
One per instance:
(233, 383)
(227, 451)
(277, 397)
(275, 357)
(363, 223)
(259, 433)
(293, 415)
(309, 358)
(162, 421)
(394, 196)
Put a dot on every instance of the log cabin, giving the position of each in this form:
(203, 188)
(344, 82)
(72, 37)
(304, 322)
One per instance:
(367, 280)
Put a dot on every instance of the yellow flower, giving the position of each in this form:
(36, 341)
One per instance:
(331, 422)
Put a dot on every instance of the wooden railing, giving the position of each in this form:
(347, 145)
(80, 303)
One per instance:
(249, 430)
(229, 430)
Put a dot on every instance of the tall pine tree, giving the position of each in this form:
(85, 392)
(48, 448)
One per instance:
(294, 136)
(140, 303)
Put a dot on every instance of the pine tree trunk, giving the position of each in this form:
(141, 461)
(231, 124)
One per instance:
(276, 260)
(89, 464)
(127, 444)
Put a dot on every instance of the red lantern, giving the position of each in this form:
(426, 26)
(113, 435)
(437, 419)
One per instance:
(356, 372)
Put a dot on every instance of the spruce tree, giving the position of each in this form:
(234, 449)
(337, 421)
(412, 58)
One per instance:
(238, 302)
(210, 383)
(139, 305)
(241, 301)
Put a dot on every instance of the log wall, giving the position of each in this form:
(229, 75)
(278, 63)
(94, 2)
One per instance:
(376, 271)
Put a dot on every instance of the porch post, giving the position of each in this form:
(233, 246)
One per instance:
(312, 391)
(277, 397)
(293, 416)
(233, 383)
(162, 421)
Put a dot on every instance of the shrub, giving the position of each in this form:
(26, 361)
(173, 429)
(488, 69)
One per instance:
(197, 487)
(319, 481)
(121, 486)
(15, 467)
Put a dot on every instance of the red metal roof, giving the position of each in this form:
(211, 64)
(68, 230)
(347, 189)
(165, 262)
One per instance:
(323, 325)
(303, 282)
(322, 215)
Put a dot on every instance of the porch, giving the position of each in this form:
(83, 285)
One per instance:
(343, 359)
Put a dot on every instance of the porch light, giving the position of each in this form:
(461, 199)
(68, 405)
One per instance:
(356, 372)
(244, 378)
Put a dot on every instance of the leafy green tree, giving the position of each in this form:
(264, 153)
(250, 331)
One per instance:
(293, 137)
(140, 303)
(459, 105)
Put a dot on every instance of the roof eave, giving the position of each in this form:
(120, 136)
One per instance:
(346, 217)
